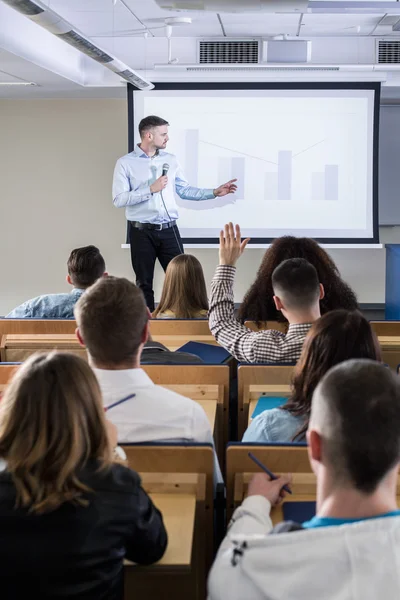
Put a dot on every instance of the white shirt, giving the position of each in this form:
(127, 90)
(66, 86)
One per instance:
(135, 172)
(155, 414)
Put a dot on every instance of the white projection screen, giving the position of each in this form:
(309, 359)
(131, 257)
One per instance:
(305, 157)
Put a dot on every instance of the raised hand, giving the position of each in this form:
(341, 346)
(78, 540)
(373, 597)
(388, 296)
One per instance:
(226, 188)
(230, 245)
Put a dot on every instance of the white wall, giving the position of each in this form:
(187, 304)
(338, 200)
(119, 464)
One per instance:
(57, 159)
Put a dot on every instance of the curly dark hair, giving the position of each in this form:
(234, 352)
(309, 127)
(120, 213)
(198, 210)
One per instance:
(337, 336)
(258, 304)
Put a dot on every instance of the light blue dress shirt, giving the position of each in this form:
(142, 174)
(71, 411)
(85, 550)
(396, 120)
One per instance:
(49, 306)
(135, 172)
(274, 425)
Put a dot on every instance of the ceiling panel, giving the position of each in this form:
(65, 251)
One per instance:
(339, 25)
(251, 25)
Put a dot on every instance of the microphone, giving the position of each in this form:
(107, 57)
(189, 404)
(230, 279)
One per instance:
(165, 169)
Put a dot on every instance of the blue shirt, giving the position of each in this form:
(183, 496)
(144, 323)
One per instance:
(274, 425)
(49, 306)
(135, 172)
(331, 522)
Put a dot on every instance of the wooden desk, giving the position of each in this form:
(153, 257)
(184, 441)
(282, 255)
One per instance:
(178, 511)
(176, 574)
(389, 342)
(210, 408)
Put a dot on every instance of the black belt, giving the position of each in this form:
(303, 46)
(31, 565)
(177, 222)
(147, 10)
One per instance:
(152, 226)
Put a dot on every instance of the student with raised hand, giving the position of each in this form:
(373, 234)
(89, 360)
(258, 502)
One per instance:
(258, 304)
(297, 293)
(337, 336)
(351, 548)
(85, 265)
(184, 293)
(69, 515)
(113, 324)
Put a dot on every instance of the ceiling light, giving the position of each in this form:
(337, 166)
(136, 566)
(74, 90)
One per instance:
(17, 83)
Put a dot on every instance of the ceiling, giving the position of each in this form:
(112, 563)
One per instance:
(133, 17)
(134, 32)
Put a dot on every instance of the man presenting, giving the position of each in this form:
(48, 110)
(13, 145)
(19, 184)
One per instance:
(144, 184)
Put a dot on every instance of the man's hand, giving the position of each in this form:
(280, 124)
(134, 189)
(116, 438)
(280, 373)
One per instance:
(230, 246)
(226, 188)
(261, 485)
(159, 184)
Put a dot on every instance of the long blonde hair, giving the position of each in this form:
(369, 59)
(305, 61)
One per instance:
(184, 291)
(51, 424)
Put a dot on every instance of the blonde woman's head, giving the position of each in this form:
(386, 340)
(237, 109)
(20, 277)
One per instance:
(184, 291)
(51, 424)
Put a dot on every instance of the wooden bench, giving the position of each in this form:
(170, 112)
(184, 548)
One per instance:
(180, 477)
(259, 380)
(206, 384)
(386, 328)
(267, 325)
(170, 332)
(279, 458)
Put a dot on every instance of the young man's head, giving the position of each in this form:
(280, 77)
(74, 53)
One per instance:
(153, 132)
(112, 320)
(297, 290)
(354, 430)
(85, 266)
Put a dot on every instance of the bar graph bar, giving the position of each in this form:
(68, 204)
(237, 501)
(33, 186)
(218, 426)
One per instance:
(331, 182)
(232, 168)
(271, 186)
(317, 186)
(192, 156)
(325, 185)
(285, 175)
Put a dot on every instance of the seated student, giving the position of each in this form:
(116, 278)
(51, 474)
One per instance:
(351, 548)
(113, 324)
(258, 304)
(85, 265)
(184, 293)
(337, 336)
(156, 353)
(297, 293)
(69, 515)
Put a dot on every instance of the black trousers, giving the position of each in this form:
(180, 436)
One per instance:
(146, 246)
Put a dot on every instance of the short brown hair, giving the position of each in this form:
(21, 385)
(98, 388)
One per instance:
(150, 122)
(184, 291)
(356, 407)
(111, 317)
(51, 424)
(85, 265)
(296, 281)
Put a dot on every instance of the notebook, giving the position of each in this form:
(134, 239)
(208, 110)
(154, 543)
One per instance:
(266, 403)
(299, 512)
(214, 355)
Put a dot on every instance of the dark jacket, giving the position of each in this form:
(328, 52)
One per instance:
(155, 353)
(74, 551)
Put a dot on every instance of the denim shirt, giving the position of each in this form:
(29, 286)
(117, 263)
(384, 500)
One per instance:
(49, 306)
(274, 425)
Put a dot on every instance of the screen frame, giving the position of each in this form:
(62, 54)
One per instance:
(261, 85)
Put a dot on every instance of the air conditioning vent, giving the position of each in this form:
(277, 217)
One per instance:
(388, 52)
(80, 43)
(26, 7)
(229, 52)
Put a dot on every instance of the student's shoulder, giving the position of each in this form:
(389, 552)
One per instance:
(112, 478)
